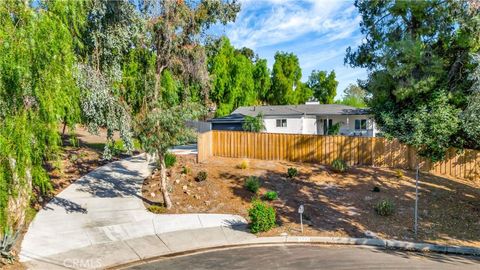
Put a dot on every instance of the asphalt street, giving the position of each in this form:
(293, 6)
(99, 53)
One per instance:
(313, 257)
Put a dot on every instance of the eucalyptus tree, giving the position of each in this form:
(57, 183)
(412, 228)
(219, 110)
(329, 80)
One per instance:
(176, 28)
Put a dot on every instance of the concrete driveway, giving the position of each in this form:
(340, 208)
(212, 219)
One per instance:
(312, 257)
(100, 220)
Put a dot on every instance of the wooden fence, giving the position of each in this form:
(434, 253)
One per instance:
(378, 152)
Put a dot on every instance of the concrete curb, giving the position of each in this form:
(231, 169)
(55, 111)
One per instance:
(314, 240)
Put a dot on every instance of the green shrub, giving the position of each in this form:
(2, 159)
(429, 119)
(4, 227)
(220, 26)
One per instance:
(385, 208)
(156, 209)
(202, 176)
(376, 189)
(270, 195)
(339, 165)
(262, 217)
(170, 160)
(292, 172)
(186, 170)
(252, 183)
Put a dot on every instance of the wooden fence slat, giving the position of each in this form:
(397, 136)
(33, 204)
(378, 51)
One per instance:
(378, 152)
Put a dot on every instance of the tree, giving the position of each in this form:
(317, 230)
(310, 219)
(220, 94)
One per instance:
(37, 92)
(323, 85)
(253, 123)
(261, 79)
(470, 117)
(286, 77)
(233, 83)
(417, 54)
(175, 28)
(354, 96)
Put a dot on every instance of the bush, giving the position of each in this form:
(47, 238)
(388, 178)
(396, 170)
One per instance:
(376, 189)
(339, 165)
(292, 172)
(186, 170)
(243, 165)
(385, 208)
(202, 176)
(156, 209)
(170, 160)
(262, 217)
(270, 195)
(252, 183)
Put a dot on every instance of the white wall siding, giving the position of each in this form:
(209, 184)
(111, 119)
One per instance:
(294, 125)
(309, 125)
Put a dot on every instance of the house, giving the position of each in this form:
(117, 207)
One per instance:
(303, 119)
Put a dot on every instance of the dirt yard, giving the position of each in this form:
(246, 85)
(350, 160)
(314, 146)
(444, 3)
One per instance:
(336, 204)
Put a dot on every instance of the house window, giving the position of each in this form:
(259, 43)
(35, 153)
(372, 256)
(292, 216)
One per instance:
(281, 122)
(360, 124)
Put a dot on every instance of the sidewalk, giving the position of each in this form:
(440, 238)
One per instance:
(100, 221)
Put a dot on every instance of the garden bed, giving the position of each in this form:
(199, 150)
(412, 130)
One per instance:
(336, 204)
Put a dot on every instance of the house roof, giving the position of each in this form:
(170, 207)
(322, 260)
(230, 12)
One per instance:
(291, 110)
(309, 109)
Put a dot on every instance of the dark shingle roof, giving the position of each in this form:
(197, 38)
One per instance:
(309, 109)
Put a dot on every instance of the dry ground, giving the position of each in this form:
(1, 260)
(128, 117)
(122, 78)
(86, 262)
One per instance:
(335, 204)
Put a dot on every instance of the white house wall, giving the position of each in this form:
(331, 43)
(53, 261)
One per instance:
(308, 124)
(294, 125)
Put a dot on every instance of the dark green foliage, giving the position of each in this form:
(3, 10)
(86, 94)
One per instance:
(418, 54)
(252, 183)
(385, 208)
(292, 172)
(334, 129)
(323, 85)
(339, 165)
(253, 124)
(170, 160)
(286, 77)
(186, 170)
(376, 189)
(6, 245)
(201, 176)
(270, 195)
(262, 217)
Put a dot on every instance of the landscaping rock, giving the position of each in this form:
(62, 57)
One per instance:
(177, 181)
(184, 188)
(370, 234)
(152, 194)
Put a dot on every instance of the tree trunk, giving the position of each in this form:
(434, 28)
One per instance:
(163, 184)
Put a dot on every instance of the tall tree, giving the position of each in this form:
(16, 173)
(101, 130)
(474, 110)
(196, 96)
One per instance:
(261, 79)
(323, 85)
(176, 27)
(417, 54)
(37, 92)
(286, 77)
(233, 81)
(354, 96)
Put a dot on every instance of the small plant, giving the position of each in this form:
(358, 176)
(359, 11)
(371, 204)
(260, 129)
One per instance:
(270, 195)
(376, 189)
(186, 170)
(156, 209)
(399, 173)
(243, 165)
(385, 208)
(6, 245)
(339, 165)
(170, 160)
(73, 158)
(262, 217)
(292, 172)
(252, 184)
(201, 176)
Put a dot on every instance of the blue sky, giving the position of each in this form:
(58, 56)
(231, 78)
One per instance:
(317, 31)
